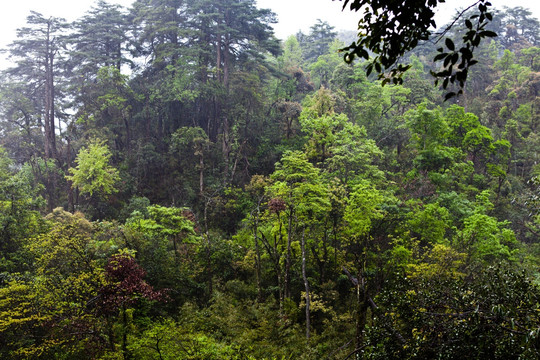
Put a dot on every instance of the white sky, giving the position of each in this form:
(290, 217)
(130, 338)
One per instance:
(293, 15)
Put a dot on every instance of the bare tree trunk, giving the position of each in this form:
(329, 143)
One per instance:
(50, 185)
(208, 250)
(71, 200)
(361, 316)
(287, 292)
(50, 113)
(258, 252)
(306, 283)
(128, 132)
(226, 52)
(201, 173)
(226, 149)
(50, 135)
(226, 61)
(218, 57)
(278, 267)
(362, 302)
(272, 250)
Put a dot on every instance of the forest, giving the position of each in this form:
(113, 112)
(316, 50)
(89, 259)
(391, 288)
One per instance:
(177, 183)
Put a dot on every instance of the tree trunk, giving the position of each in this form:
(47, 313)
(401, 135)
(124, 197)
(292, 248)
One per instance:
(287, 292)
(50, 135)
(49, 128)
(362, 305)
(274, 254)
(258, 253)
(201, 172)
(128, 132)
(71, 200)
(226, 53)
(278, 266)
(208, 251)
(306, 284)
(218, 57)
(125, 351)
(225, 149)
(50, 186)
(226, 63)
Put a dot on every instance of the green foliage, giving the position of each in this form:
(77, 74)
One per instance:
(169, 341)
(334, 143)
(427, 126)
(431, 224)
(55, 301)
(165, 222)
(318, 41)
(441, 261)
(264, 206)
(93, 173)
(362, 209)
(490, 314)
(483, 237)
(19, 312)
(389, 31)
(20, 202)
(297, 182)
(292, 53)
(323, 69)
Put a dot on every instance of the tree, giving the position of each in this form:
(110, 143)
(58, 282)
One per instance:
(363, 208)
(292, 53)
(123, 287)
(323, 68)
(318, 41)
(52, 304)
(430, 223)
(334, 143)
(298, 185)
(97, 52)
(520, 28)
(428, 129)
(99, 40)
(242, 32)
(187, 140)
(170, 340)
(166, 224)
(37, 55)
(466, 133)
(105, 109)
(19, 215)
(21, 122)
(93, 175)
(483, 237)
(389, 29)
(449, 316)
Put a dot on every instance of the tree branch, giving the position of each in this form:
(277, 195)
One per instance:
(443, 33)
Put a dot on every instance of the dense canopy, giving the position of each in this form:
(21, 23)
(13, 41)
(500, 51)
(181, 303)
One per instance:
(176, 183)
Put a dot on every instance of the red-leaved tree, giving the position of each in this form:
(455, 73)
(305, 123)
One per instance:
(124, 286)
